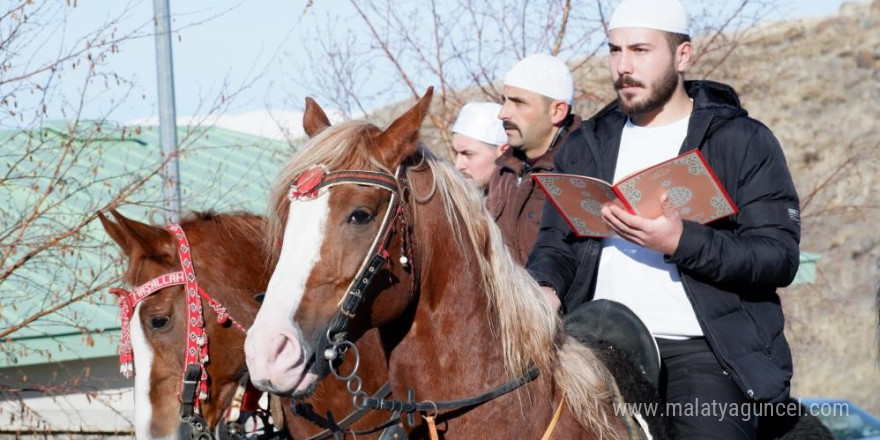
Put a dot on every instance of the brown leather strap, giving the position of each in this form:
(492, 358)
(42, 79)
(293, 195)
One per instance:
(432, 427)
(555, 419)
(276, 409)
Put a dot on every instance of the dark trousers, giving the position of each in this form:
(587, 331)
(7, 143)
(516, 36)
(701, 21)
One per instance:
(700, 396)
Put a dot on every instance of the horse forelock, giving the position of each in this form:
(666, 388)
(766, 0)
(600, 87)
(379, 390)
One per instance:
(344, 146)
(526, 326)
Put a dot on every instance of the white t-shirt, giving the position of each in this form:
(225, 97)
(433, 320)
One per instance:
(636, 276)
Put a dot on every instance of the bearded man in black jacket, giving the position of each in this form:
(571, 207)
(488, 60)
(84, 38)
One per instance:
(707, 293)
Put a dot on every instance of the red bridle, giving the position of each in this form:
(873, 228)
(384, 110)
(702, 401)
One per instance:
(197, 338)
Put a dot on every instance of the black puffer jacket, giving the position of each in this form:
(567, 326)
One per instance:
(730, 268)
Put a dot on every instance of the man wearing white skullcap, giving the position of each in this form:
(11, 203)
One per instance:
(478, 139)
(706, 292)
(538, 92)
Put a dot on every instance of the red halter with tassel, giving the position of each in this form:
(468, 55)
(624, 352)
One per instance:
(197, 338)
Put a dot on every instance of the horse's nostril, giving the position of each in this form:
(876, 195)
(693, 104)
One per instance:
(259, 296)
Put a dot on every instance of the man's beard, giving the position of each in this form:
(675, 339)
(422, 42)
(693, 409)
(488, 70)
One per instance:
(662, 92)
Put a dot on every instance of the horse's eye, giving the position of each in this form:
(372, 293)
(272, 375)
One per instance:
(360, 217)
(158, 322)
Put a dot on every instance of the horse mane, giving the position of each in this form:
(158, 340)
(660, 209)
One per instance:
(238, 223)
(530, 332)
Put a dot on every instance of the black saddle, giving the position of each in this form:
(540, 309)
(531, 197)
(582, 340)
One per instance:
(611, 325)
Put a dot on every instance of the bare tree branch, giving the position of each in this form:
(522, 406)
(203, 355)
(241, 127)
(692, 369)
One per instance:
(561, 34)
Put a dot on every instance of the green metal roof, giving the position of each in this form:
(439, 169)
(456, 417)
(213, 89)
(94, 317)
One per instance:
(220, 170)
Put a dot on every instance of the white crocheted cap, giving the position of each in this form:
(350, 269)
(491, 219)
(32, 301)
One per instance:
(661, 15)
(479, 120)
(543, 74)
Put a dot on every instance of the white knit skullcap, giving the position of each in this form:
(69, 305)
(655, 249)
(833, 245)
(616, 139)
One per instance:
(479, 120)
(543, 74)
(661, 15)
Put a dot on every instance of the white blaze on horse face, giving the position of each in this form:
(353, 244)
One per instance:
(275, 348)
(143, 366)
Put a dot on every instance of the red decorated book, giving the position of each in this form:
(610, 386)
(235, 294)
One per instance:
(687, 180)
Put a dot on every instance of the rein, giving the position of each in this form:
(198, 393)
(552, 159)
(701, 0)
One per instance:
(332, 428)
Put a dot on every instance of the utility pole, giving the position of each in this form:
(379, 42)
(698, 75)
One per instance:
(167, 114)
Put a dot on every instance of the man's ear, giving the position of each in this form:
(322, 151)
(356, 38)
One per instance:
(559, 111)
(683, 56)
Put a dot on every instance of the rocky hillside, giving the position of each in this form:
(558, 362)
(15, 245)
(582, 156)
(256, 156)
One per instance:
(816, 83)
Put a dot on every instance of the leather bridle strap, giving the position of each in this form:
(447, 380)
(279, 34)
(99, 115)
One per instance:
(306, 411)
(196, 340)
(411, 407)
(316, 178)
(306, 187)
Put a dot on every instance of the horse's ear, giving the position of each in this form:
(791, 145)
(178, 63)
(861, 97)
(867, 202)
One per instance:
(131, 235)
(314, 118)
(399, 140)
(116, 232)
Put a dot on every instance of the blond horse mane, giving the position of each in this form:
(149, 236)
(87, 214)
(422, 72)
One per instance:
(527, 328)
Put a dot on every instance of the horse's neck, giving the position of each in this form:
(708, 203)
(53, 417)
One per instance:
(450, 334)
(451, 352)
(449, 338)
(226, 342)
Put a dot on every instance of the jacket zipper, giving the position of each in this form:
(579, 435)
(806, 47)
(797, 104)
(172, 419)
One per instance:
(736, 377)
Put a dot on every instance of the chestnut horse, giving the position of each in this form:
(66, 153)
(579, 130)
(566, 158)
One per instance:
(227, 252)
(379, 233)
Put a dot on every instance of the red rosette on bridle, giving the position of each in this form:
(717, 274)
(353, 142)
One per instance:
(305, 187)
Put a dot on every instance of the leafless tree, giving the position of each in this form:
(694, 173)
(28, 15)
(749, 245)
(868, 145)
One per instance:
(386, 51)
(51, 178)
(50, 166)
(56, 173)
